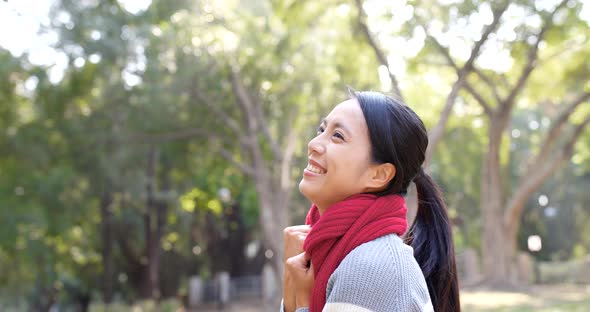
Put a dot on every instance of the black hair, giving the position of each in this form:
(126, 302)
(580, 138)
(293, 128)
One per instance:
(398, 136)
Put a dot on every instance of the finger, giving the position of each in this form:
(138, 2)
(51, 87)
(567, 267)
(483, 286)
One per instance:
(307, 259)
(295, 234)
(305, 228)
(297, 228)
(295, 241)
(295, 238)
(297, 263)
(302, 227)
(309, 264)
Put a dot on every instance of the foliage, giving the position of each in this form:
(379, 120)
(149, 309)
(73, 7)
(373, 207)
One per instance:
(117, 168)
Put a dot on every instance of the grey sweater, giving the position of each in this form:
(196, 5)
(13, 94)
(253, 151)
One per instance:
(380, 275)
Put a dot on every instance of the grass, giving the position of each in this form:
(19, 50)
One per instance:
(555, 298)
(546, 298)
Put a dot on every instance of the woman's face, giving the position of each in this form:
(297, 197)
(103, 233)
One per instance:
(339, 157)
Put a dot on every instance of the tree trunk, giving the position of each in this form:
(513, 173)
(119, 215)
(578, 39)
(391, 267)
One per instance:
(154, 222)
(237, 239)
(496, 259)
(107, 243)
(273, 218)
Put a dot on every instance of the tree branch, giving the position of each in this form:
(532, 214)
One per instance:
(489, 83)
(531, 181)
(252, 113)
(484, 104)
(146, 138)
(197, 94)
(244, 101)
(556, 130)
(155, 139)
(362, 16)
(435, 134)
(468, 66)
(533, 55)
(437, 131)
(248, 170)
(286, 162)
(561, 120)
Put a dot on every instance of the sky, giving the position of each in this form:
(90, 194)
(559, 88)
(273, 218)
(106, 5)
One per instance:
(22, 25)
(27, 17)
(21, 22)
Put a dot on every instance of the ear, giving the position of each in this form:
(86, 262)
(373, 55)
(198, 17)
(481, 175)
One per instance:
(380, 176)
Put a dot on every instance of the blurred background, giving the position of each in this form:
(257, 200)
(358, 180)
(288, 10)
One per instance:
(150, 150)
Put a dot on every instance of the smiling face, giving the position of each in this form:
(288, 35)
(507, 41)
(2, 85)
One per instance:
(339, 163)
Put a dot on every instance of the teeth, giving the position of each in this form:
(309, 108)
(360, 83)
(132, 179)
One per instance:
(315, 169)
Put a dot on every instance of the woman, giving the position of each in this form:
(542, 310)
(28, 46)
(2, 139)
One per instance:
(350, 256)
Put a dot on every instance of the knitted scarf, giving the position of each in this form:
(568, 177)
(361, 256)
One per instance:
(344, 226)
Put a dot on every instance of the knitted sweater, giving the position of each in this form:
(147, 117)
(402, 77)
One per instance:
(380, 275)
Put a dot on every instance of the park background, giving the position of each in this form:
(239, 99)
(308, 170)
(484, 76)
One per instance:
(150, 150)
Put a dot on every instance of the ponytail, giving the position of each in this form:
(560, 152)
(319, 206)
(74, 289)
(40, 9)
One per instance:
(431, 238)
(398, 136)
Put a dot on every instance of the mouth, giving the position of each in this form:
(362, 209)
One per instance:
(314, 167)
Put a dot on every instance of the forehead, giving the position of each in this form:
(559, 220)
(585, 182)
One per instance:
(348, 113)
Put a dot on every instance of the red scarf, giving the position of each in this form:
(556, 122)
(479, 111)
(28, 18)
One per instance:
(344, 226)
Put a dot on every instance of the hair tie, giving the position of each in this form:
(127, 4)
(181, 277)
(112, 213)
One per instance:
(421, 174)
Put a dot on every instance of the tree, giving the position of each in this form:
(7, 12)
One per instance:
(267, 93)
(435, 134)
(502, 214)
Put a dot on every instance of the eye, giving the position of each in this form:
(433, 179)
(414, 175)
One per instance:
(339, 135)
(320, 129)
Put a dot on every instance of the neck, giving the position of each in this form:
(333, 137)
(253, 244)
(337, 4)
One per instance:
(321, 208)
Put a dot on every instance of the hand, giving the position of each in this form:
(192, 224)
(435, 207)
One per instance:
(301, 271)
(293, 237)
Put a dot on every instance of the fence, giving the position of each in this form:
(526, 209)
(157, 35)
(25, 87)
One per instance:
(575, 271)
(526, 270)
(243, 287)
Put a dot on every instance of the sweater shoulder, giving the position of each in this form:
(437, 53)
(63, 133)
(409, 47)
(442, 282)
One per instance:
(385, 253)
(383, 260)
(388, 249)
(380, 275)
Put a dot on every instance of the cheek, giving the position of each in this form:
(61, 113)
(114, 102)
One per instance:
(352, 168)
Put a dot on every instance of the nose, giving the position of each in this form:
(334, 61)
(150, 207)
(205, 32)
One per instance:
(316, 146)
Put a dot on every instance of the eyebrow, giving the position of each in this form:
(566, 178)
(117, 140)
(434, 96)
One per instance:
(337, 124)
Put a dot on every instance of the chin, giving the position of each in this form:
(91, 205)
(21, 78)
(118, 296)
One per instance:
(305, 190)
